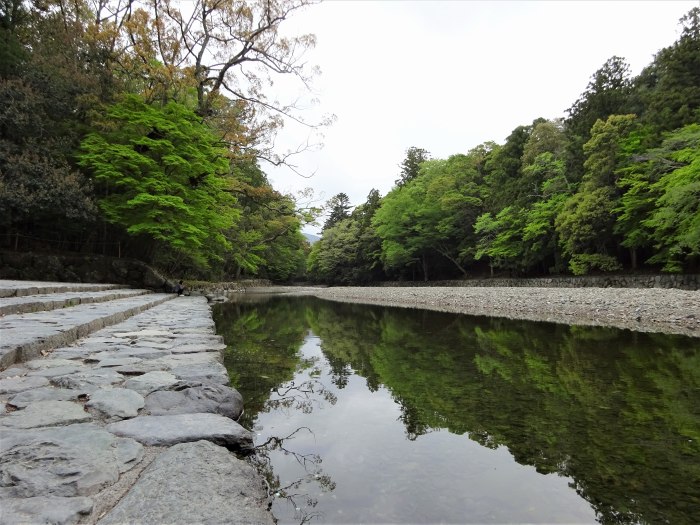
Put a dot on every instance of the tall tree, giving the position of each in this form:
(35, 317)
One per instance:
(586, 223)
(410, 167)
(607, 93)
(338, 208)
(162, 174)
(669, 88)
(230, 52)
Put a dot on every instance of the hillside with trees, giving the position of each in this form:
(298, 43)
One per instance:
(614, 186)
(135, 129)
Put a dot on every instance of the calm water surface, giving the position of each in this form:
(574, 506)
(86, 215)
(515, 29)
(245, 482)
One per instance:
(385, 415)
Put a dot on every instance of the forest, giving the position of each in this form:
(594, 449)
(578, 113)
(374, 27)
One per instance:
(137, 129)
(613, 187)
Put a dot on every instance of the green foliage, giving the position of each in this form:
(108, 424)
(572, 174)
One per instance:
(410, 167)
(432, 214)
(162, 174)
(584, 263)
(349, 251)
(675, 221)
(669, 88)
(339, 209)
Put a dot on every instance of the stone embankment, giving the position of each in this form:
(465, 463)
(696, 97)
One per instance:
(115, 408)
(661, 310)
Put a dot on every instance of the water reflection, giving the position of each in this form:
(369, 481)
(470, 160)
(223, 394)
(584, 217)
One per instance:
(422, 413)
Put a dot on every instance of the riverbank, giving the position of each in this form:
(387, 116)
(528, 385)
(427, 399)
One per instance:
(126, 393)
(668, 311)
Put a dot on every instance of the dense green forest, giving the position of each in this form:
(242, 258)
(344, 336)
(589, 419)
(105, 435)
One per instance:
(615, 186)
(136, 129)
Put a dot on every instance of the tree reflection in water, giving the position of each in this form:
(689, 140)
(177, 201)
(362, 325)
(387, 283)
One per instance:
(615, 411)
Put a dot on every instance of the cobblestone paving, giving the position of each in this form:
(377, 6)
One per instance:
(81, 425)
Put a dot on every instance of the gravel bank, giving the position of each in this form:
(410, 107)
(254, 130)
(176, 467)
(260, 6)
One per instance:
(647, 310)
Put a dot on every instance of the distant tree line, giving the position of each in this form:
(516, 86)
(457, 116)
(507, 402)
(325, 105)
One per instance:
(135, 129)
(614, 186)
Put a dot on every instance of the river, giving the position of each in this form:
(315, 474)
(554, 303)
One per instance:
(368, 414)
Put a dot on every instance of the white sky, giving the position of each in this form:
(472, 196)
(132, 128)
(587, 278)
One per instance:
(448, 75)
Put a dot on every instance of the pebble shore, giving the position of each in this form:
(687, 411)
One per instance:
(661, 310)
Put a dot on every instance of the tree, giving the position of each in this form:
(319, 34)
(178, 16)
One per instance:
(162, 176)
(669, 88)
(586, 223)
(431, 214)
(339, 209)
(675, 221)
(229, 52)
(410, 167)
(267, 240)
(607, 93)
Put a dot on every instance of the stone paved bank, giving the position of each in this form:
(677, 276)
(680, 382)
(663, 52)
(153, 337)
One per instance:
(131, 423)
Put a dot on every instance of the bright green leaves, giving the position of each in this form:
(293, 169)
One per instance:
(432, 214)
(675, 222)
(162, 174)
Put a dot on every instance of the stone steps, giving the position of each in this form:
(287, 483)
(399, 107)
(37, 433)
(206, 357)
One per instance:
(22, 288)
(130, 400)
(25, 304)
(25, 336)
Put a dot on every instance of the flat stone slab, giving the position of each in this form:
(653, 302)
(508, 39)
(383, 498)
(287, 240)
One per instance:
(46, 414)
(48, 509)
(111, 362)
(76, 460)
(145, 333)
(150, 382)
(213, 372)
(118, 403)
(56, 371)
(191, 348)
(23, 399)
(212, 398)
(12, 385)
(41, 364)
(195, 483)
(182, 428)
(90, 380)
(15, 371)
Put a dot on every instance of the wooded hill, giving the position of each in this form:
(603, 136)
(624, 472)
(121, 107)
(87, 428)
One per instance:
(614, 186)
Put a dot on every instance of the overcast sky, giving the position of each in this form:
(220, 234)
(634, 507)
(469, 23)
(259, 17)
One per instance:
(447, 76)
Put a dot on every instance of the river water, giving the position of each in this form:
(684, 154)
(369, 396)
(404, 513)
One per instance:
(368, 414)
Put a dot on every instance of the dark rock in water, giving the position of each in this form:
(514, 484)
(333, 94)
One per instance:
(44, 509)
(84, 459)
(183, 428)
(195, 483)
(212, 398)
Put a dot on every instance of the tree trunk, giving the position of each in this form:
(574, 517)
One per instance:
(425, 268)
(633, 257)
